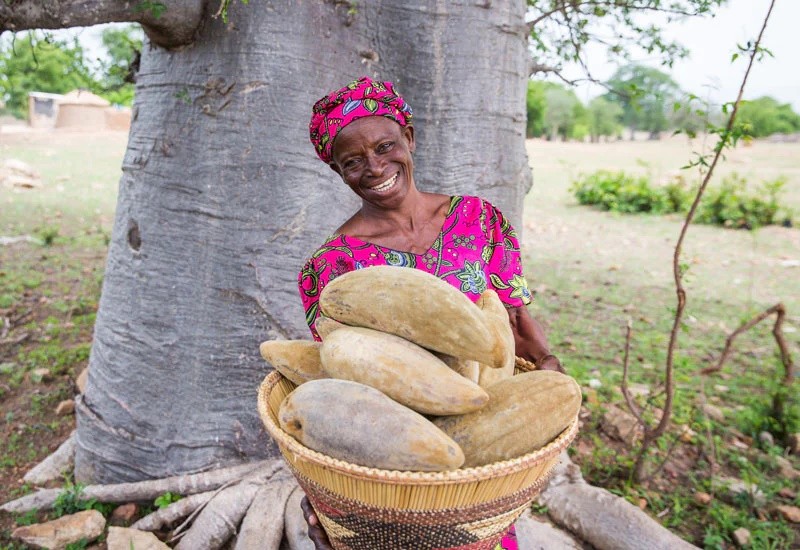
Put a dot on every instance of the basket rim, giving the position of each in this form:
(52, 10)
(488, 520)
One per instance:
(290, 445)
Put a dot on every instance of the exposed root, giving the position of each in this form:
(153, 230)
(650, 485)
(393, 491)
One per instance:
(220, 518)
(295, 526)
(262, 527)
(172, 513)
(53, 467)
(142, 490)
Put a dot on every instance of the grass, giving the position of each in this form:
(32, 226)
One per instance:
(591, 273)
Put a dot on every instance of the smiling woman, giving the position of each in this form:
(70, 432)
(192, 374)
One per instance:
(364, 133)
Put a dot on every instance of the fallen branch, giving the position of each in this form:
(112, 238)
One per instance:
(177, 510)
(139, 491)
(53, 467)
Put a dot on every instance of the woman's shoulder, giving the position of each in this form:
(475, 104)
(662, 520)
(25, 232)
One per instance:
(473, 206)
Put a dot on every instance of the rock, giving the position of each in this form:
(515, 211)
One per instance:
(20, 168)
(741, 537)
(65, 408)
(794, 444)
(621, 425)
(720, 388)
(60, 532)
(787, 493)
(730, 487)
(41, 375)
(713, 412)
(121, 538)
(789, 513)
(54, 466)
(687, 434)
(594, 383)
(80, 381)
(766, 439)
(702, 498)
(642, 503)
(786, 468)
(639, 390)
(533, 534)
(124, 515)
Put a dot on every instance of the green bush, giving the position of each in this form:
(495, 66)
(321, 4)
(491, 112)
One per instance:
(729, 204)
(732, 205)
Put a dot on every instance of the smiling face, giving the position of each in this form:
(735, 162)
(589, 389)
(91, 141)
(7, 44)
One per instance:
(373, 157)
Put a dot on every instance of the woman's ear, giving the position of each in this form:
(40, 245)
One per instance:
(408, 134)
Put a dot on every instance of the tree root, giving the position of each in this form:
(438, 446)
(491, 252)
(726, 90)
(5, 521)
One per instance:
(262, 527)
(142, 490)
(172, 513)
(220, 518)
(602, 519)
(53, 467)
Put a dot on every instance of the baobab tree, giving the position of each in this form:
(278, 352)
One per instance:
(222, 197)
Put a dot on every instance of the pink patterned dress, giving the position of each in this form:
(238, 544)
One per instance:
(476, 249)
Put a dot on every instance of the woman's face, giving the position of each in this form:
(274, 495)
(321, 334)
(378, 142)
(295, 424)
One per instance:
(373, 157)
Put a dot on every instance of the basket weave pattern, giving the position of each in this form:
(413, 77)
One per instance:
(371, 509)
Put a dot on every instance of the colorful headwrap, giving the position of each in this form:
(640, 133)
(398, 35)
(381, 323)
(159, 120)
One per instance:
(361, 98)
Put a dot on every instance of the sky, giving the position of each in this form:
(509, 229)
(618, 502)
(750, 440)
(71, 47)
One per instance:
(708, 72)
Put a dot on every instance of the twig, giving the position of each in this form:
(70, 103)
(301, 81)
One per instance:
(634, 408)
(780, 314)
(651, 434)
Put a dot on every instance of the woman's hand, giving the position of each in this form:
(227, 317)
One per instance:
(315, 531)
(530, 341)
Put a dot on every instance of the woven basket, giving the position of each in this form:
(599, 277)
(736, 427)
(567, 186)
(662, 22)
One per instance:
(371, 509)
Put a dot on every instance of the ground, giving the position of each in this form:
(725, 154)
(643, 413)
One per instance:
(591, 272)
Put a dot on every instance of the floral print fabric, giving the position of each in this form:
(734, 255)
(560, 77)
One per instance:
(476, 249)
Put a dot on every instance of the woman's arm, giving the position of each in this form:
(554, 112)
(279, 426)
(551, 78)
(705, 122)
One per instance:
(529, 340)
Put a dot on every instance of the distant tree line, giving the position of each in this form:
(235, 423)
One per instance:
(39, 62)
(642, 99)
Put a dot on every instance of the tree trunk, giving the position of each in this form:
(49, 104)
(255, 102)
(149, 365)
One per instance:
(222, 198)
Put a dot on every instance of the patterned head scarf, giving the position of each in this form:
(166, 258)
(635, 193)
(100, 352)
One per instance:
(361, 98)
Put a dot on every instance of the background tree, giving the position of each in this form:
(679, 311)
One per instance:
(765, 116)
(117, 70)
(222, 198)
(33, 62)
(645, 95)
(603, 118)
(563, 110)
(535, 105)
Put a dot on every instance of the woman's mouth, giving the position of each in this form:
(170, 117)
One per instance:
(385, 186)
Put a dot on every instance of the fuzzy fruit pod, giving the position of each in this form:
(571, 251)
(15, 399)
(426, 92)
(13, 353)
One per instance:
(297, 360)
(416, 306)
(361, 425)
(525, 412)
(407, 373)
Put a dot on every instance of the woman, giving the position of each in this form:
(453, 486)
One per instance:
(364, 133)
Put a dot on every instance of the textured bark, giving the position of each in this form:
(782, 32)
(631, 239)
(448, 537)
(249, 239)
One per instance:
(222, 199)
(175, 26)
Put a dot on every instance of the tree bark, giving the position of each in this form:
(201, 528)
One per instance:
(222, 199)
(168, 23)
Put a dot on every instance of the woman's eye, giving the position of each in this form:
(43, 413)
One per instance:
(350, 164)
(383, 147)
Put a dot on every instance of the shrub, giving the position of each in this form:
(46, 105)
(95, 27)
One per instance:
(732, 205)
(729, 204)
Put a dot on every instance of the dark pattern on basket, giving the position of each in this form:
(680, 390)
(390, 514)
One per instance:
(354, 525)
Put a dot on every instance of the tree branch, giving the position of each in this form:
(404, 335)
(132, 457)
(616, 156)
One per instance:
(650, 435)
(168, 23)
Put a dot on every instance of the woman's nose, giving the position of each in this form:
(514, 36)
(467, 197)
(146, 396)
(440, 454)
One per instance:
(374, 164)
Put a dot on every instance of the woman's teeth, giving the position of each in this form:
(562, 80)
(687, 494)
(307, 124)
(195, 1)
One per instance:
(385, 186)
